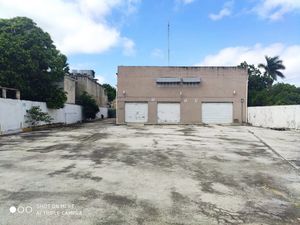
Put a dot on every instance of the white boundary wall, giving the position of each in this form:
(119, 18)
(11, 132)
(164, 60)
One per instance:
(287, 116)
(102, 111)
(12, 114)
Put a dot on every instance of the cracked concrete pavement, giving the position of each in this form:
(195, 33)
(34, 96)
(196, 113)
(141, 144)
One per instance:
(100, 173)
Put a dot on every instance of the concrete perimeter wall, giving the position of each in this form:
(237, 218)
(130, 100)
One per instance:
(287, 116)
(102, 111)
(12, 114)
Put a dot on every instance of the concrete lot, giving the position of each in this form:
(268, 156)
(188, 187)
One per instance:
(100, 173)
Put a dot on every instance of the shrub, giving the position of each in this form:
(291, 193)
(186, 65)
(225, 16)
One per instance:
(35, 115)
(111, 113)
(90, 107)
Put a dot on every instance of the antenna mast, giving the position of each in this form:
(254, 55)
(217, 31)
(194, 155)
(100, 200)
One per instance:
(168, 43)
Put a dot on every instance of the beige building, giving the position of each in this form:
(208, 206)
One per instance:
(181, 95)
(86, 82)
(69, 88)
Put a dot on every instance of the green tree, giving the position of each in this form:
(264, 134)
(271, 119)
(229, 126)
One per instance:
(261, 92)
(283, 94)
(272, 67)
(90, 107)
(110, 91)
(30, 62)
(35, 115)
(257, 82)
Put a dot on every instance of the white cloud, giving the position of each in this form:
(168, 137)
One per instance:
(276, 9)
(76, 26)
(185, 2)
(128, 47)
(157, 53)
(179, 3)
(233, 56)
(225, 11)
(101, 79)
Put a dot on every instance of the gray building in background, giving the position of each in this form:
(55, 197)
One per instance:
(69, 86)
(86, 82)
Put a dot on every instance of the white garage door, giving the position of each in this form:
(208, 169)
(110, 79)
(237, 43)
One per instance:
(136, 112)
(168, 112)
(217, 112)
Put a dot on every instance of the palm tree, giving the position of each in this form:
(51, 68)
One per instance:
(273, 67)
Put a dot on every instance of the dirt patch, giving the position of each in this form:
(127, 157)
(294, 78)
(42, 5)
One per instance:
(149, 157)
(187, 131)
(84, 175)
(259, 180)
(219, 159)
(8, 142)
(268, 185)
(220, 215)
(94, 137)
(7, 165)
(273, 212)
(178, 198)
(206, 186)
(155, 142)
(116, 218)
(57, 147)
(119, 200)
(179, 203)
(137, 128)
(35, 135)
(207, 177)
(254, 152)
(87, 196)
(92, 194)
(21, 196)
(66, 169)
(98, 155)
(148, 209)
(193, 140)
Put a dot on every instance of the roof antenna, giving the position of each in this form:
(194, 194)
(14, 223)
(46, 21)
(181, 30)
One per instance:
(168, 43)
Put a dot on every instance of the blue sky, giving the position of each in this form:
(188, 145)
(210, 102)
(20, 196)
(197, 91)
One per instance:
(102, 34)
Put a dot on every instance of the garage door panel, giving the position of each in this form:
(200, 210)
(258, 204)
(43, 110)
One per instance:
(217, 113)
(168, 112)
(136, 112)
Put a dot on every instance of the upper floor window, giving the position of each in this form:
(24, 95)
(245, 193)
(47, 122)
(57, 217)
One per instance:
(174, 81)
(168, 81)
(191, 81)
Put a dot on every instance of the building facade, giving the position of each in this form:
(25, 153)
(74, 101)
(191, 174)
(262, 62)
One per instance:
(86, 82)
(181, 95)
(69, 86)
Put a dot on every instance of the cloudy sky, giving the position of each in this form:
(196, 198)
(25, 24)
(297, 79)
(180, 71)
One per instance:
(102, 34)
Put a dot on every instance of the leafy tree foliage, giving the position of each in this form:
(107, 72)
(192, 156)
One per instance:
(110, 91)
(282, 94)
(257, 81)
(35, 115)
(261, 92)
(90, 107)
(30, 62)
(272, 67)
